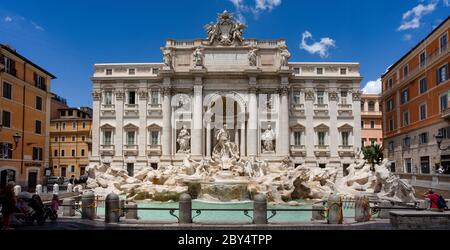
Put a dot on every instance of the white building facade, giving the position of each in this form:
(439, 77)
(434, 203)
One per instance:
(154, 114)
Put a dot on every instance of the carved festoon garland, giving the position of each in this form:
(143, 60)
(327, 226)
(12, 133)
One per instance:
(309, 95)
(143, 95)
(96, 96)
(284, 90)
(166, 91)
(357, 96)
(333, 96)
(120, 95)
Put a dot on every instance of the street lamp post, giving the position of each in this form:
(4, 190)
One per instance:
(439, 139)
(16, 138)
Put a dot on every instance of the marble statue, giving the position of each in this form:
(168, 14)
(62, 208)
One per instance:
(268, 138)
(285, 56)
(226, 31)
(252, 57)
(269, 103)
(225, 149)
(183, 140)
(167, 58)
(211, 30)
(237, 32)
(198, 57)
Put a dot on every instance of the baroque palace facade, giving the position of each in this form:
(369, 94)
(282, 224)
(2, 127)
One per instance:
(156, 114)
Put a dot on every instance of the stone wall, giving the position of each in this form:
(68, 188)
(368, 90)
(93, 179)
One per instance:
(420, 220)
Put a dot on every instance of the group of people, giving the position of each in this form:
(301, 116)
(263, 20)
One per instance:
(19, 208)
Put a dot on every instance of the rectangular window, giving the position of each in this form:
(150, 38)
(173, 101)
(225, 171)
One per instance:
(83, 138)
(407, 142)
(405, 96)
(130, 137)
(321, 138)
(362, 124)
(63, 153)
(10, 66)
(82, 152)
(442, 74)
(40, 82)
(344, 95)
(154, 165)
(107, 138)
(55, 153)
(296, 97)
(64, 125)
(131, 71)
(155, 138)
(73, 152)
(6, 119)
(391, 146)
(319, 71)
(297, 71)
(405, 118)
(108, 72)
(6, 150)
(345, 136)
(425, 165)
(7, 90)
(130, 169)
(423, 85)
(408, 165)
(63, 171)
(390, 83)
(37, 127)
(372, 124)
(297, 138)
(132, 97)
(38, 103)
(57, 125)
(405, 71)
(343, 71)
(390, 105)
(72, 169)
(155, 97)
(443, 102)
(320, 97)
(423, 138)
(73, 138)
(391, 125)
(108, 97)
(444, 42)
(423, 59)
(423, 111)
(84, 125)
(37, 154)
(70, 113)
(56, 138)
(74, 125)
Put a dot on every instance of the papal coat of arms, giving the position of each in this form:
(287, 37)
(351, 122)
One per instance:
(226, 31)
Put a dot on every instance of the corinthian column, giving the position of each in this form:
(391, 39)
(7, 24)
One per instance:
(166, 136)
(252, 131)
(283, 135)
(197, 123)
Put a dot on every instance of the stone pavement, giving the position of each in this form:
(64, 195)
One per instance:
(76, 223)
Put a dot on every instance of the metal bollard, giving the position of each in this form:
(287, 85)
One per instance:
(55, 189)
(17, 190)
(335, 212)
(260, 209)
(39, 189)
(69, 207)
(88, 205)
(122, 205)
(69, 188)
(133, 213)
(362, 208)
(112, 208)
(318, 215)
(384, 213)
(185, 206)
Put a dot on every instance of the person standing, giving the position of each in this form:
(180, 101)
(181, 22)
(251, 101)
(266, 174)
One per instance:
(8, 205)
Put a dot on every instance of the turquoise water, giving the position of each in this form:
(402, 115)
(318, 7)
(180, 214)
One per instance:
(224, 216)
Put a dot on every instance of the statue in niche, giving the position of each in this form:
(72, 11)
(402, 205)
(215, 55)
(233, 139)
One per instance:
(198, 57)
(268, 138)
(269, 102)
(167, 58)
(225, 150)
(183, 140)
(285, 56)
(252, 57)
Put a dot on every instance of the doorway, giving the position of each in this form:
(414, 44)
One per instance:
(130, 169)
(6, 176)
(32, 181)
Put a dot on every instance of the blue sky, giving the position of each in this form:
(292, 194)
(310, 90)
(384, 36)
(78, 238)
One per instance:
(68, 37)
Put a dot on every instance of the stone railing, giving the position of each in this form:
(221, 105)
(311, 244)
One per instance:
(130, 149)
(298, 150)
(107, 150)
(154, 149)
(427, 180)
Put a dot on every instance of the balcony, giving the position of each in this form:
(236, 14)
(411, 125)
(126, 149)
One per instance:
(321, 110)
(298, 151)
(154, 150)
(298, 109)
(108, 110)
(345, 110)
(446, 114)
(131, 150)
(322, 151)
(154, 110)
(131, 110)
(346, 151)
(107, 150)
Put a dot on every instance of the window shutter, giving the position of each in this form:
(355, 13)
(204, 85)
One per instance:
(35, 78)
(34, 153)
(10, 150)
(40, 154)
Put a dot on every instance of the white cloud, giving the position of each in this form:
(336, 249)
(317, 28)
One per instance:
(243, 6)
(373, 87)
(447, 3)
(412, 18)
(321, 47)
(407, 37)
(37, 27)
(8, 19)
